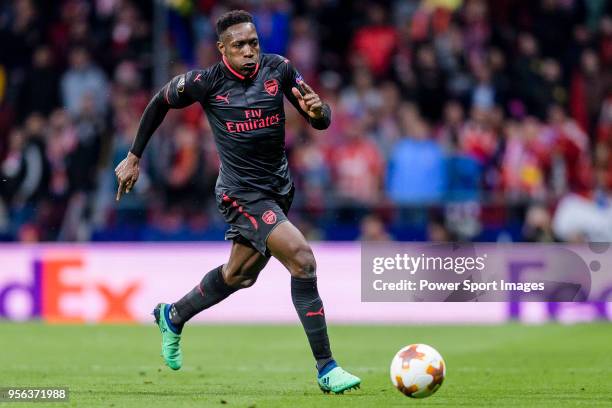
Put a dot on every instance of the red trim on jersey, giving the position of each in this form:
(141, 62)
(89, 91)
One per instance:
(241, 210)
(236, 73)
(167, 89)
(255, 70)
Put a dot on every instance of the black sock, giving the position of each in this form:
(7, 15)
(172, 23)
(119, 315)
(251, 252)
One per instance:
(209, 292)
(309, 307)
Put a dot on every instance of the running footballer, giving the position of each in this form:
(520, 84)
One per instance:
(243, 99)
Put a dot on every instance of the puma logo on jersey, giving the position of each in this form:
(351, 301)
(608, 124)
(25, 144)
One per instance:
(224, 98)
(197, 78)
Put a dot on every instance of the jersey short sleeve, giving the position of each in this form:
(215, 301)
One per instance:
(289, 75)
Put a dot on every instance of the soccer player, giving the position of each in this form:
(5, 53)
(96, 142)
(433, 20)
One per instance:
(243, 99)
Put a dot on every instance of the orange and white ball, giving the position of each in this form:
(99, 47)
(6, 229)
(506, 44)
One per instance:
(418, 370)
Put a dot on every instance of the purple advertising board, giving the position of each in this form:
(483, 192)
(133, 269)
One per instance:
(122, 282)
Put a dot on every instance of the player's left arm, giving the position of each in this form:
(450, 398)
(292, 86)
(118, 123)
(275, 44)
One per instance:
(304, 98)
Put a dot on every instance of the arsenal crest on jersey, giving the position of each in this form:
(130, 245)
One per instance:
(271, 87)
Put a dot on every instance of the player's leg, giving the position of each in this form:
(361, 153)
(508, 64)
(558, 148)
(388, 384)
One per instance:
(288, 245)
(240, 271)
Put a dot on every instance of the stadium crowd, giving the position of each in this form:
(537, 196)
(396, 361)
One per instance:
(452, 119)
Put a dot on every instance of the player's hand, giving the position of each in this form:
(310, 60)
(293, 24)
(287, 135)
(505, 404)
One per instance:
(127, 174)
(310, 101)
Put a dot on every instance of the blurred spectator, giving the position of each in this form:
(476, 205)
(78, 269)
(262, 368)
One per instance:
(525, 70)
(538, 225)
(478, 138)
(309, 163)
(588, 88)
(84, 158)
(453, 119)
(82, 79)
(477, 27)
(605, 48)
(437, 230)
(484, 94)
(388, 129)
(603, 152)
(21, 30)
(523, 161)
(373, 229)
(40, 92)
(581, 218)
(375, 42)
(358, 166)
(62, 140)
(25, 169)
(181, 169)
(431, 85)
(571, 143)
(272, 20)
(129, 35)
(550, 90)
(303, 49)
(361, 96)
(450, 51)
(463, 172)
(13, 167)
(553, 13)
(416, 166)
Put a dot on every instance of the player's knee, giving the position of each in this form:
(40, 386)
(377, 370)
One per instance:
(240, 281)
(240, 278)
(247, 282)
(304, 264)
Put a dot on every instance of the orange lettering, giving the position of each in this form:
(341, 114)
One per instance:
(116, 304)
(53, 288)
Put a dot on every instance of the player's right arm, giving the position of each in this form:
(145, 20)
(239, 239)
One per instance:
(181, 91)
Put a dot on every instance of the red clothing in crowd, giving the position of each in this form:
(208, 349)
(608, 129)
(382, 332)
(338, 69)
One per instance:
(376, 45)
(358, 168)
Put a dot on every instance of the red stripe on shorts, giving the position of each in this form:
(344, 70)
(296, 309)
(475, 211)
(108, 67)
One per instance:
(241, 211)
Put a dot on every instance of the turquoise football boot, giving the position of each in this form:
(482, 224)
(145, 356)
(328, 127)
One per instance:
(170, 348)
(337, 380)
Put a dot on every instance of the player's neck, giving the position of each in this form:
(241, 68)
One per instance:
(236, 73)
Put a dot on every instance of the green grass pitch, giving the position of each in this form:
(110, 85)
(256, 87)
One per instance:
(271, 366)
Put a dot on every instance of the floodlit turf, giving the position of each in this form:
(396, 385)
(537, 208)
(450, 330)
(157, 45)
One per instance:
(270, 366)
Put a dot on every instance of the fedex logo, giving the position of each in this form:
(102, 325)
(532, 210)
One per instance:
(596, 308)
(54, 280)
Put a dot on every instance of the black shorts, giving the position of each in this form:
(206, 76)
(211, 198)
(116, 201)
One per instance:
(253, 215)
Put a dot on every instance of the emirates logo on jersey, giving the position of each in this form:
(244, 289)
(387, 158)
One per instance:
(271, 87)
(269, 217)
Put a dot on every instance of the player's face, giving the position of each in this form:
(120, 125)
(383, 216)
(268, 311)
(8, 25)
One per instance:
(240, 46)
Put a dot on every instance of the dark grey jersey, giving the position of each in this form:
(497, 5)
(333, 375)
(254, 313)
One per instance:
(247, 118)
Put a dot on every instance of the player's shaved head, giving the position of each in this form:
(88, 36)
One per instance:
(226, 20)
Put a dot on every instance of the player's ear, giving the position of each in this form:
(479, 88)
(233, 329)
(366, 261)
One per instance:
(220, 47)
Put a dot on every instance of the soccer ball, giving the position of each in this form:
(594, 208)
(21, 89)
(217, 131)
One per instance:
(417, 370)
